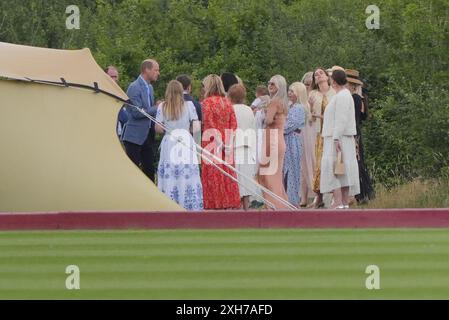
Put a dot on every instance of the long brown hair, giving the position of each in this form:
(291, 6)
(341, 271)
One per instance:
(314, 84)
(174, 101)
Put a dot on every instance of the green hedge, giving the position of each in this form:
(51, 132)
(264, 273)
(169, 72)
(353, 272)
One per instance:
(405, 62)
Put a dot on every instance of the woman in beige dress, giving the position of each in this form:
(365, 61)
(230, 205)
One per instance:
(339, 130)
(308, 136)
(318, 100)
(273, 144)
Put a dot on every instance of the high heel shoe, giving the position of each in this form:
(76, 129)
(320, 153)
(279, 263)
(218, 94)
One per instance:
(315, 204)
(319, 205)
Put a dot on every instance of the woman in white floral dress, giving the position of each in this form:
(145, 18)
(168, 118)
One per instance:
(178, 171)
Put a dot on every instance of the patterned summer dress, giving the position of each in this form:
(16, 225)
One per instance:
(178, 170)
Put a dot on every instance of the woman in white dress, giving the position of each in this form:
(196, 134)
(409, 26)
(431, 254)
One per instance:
(245, 148)
(339, 129)
(178, 174)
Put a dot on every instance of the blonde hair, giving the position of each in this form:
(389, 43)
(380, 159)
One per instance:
(281, 95)
(239, 80)
(173, 106)
(307, 76)
(300, 91)
(213, 86)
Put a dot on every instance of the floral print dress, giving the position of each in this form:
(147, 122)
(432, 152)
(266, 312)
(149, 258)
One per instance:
(219, 123)
(292, 160)
(178, 174)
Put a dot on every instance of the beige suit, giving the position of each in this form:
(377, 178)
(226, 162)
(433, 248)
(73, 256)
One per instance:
(339, 117)
(339, 123)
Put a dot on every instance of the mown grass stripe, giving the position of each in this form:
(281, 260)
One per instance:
(230, 294)
(287, 265)
(181, 233)
(225, 264)
(333, 281)
(145, 244)
(194, 252)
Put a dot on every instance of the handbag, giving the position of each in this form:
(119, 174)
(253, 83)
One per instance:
(339, 167)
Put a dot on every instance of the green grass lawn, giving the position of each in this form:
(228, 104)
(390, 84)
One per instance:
(238, 264)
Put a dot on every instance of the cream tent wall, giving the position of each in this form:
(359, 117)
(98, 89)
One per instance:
(59, 150)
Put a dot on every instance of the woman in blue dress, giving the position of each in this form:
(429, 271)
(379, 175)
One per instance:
(178, 174)
(292, 161)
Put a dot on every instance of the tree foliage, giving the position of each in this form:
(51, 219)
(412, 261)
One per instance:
(405, 62)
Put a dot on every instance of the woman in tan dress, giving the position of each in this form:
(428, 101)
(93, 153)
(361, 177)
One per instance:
(273, 145)
(308, 136)
(319, 98)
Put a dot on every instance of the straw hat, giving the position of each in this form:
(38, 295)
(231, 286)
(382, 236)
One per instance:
(337, 68)
(353, 76)
(331, 70)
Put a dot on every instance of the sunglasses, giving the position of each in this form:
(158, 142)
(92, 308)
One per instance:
(271, 83)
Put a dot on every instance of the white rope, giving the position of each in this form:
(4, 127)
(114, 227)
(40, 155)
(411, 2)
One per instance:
(196, 146)
(271, 193)
(234, 179)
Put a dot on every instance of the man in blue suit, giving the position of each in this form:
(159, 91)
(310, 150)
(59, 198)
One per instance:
(138, 133)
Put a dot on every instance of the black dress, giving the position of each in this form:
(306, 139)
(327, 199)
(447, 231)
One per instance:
(366, 187)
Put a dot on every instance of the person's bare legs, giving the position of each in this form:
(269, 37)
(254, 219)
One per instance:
(317, 202)
(245, 203)
(337, 198)
(345, 196)
(319, 199)
(304, 194)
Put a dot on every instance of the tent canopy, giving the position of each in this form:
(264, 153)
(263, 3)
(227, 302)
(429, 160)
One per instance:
(74, 66)
(59, 148)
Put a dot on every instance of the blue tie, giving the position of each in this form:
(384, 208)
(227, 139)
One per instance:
(150, 96)
(150, 100)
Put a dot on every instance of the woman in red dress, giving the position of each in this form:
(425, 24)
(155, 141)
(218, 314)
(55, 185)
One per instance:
(219, 125)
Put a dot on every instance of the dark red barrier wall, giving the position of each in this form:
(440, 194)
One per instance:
(393, 218)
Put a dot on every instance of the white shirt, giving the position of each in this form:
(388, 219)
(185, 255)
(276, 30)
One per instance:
(256, 103)
(246, 124)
